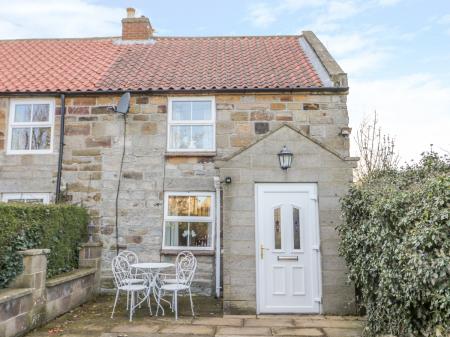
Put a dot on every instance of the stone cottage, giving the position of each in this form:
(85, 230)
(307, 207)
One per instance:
(195, 163)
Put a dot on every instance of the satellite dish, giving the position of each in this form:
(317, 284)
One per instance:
(124, 104)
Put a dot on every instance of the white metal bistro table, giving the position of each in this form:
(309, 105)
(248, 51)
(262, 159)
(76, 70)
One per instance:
(152, 270)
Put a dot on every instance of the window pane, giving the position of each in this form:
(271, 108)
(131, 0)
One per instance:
(201, 110)
(41, 139)
(20, 139)
(202, 137)
(176, 233)
(178, 206)
(22, 113)
(296, 223)
(180, 137)
(181, 111)
(200, 206)
(277, 227)
(200, 234)
(41, 112)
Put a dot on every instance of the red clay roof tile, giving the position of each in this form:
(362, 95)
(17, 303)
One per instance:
(168, 63)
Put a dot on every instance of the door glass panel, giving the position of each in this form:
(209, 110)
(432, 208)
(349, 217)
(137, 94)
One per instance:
(296, 223)
(277, 227)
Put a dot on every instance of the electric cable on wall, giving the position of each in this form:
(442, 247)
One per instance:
(120, 178)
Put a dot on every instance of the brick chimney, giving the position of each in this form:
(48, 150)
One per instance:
(136, 28)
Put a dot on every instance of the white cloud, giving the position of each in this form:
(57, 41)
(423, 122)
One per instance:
(262, 15)
(53, 18)
(414, 109)
(388, 2)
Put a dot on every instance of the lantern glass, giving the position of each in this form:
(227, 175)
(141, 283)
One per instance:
(285, 158)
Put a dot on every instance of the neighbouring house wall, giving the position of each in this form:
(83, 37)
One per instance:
(258, 164)
(93, 149)
(31, 300)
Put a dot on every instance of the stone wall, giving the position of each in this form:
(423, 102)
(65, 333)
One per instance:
(312, 163)
(32, 300)
(93, 148)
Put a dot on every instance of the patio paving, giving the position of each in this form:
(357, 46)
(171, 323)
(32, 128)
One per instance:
(93, 320)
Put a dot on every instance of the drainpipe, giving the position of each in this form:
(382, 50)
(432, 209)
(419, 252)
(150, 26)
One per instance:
(61, 149)
(217, 186)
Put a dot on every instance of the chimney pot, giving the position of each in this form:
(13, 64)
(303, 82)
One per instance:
(130, 12)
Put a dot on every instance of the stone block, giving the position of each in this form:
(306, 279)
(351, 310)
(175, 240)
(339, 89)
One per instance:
(284, 116)
(278, 106)
(241, 141)
(78, 110)
(261, 128)
(77, 129)
(104, 141)
(101, 110)
(84, 101)
(261, 116)
(311, 106)
(239, 116)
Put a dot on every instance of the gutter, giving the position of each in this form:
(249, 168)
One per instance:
(178, 91)
(61, 149)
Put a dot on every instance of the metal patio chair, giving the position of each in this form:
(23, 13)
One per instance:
(186, 265)
(136, 291)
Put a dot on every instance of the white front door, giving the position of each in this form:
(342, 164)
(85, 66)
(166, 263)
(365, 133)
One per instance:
(287, 241)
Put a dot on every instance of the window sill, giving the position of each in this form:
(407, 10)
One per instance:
(195, 252)
(190, 154)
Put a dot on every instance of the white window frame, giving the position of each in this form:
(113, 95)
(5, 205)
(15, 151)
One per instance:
(211, 219)
(26, 196)
(50, 123)
(211, 122)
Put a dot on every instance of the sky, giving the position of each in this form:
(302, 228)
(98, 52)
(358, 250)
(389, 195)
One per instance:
(396, 52)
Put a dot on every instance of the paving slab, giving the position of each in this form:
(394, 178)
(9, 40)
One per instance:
(337, 332)
(269, 322)
(249, 331)
(328, 323)
(144, 328)
(218, 321)
(187, 329)
(297, 332)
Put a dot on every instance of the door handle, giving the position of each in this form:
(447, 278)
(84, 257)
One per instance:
(262, 249)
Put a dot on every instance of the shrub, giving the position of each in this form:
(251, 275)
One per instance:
(395, 239)
(60, 228)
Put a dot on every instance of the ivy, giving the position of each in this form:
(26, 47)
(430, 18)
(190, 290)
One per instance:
(60, 228)
(395, 239)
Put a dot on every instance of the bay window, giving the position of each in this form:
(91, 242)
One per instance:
(191, 124)
(188, 220)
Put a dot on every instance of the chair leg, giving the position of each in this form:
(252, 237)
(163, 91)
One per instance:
(149, 301)
(115, 302)
(175, 295)
(192, 304)
(131, 306)
(128, 298)
(157, 304)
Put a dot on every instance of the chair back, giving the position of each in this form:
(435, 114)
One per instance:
(130, 256)
(186, 264)
(121, 270)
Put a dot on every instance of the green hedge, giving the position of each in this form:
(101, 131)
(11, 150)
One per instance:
(396, 241)
(60, 228)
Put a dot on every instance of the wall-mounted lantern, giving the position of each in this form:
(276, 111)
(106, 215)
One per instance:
(285, 157)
